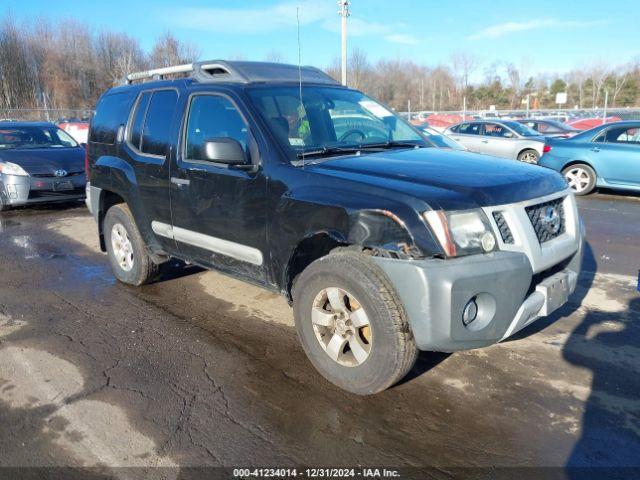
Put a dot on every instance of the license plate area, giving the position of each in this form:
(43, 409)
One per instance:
(556, 290)
(62, 185)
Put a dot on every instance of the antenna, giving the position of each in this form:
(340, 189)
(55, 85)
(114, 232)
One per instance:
(300, 72)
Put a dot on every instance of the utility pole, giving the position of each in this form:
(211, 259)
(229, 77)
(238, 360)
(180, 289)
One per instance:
(606, 101)
(344, 13)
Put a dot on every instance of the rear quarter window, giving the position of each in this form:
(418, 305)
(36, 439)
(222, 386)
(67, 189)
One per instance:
(111, 112)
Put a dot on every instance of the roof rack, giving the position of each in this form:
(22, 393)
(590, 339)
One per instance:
(236, 72)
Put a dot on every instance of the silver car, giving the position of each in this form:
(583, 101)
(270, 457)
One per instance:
(500, 138)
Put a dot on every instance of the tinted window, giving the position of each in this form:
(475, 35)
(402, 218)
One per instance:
(111, 112)
(623, 135)
(212, 116)
(155, 136)
(135, 132)
(469, 129)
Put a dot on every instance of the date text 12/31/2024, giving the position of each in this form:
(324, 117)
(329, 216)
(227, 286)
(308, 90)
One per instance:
(315, 473)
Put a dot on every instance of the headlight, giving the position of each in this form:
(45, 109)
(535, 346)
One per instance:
(462, 232)
(9, 168)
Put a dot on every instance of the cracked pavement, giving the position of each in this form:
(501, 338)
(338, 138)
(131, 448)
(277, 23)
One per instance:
(199, 369)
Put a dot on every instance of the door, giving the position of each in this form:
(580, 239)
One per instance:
(219, 211)
(497, 140)
(468, 135)
(147, 144)
(616, 155)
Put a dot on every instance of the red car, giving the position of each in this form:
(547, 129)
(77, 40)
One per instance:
(588, 123)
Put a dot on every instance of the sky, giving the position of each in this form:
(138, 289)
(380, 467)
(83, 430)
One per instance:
(541, 36)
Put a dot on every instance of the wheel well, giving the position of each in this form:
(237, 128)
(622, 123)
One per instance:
(526, 150)
(108, 200)
(578, 162)
(308, 250)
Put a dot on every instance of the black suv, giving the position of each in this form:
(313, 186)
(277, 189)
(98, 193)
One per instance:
(280, 176)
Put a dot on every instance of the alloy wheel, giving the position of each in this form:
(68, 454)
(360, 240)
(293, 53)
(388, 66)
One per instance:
(122, 247)
(342, 327)
(578, 179)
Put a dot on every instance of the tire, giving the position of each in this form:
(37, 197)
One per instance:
(132, 263)
(581, 178)
(353, 277)
(529, 156)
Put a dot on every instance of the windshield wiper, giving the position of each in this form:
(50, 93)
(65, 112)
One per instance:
(392, 144)
(328, 151)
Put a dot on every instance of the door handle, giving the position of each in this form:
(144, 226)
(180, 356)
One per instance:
(181, 182)
(485, 141)
(595, 149)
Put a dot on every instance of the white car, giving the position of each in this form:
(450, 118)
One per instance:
(505, 139)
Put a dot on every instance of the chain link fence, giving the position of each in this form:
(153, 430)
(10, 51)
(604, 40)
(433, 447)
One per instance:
(55, 115)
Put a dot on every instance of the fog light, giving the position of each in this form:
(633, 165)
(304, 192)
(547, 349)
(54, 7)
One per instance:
(488, 242)
(470, 311)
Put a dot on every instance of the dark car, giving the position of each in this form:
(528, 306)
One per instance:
(39, 162)
(383, 244)
(550, 128)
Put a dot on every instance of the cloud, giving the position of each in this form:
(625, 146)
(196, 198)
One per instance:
(281, 15)
(502, 29)
(251, 20)
(402, 38)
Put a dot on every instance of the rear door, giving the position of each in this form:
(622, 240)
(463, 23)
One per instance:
(468, 135)
(498, 140)
(148, 145)
(616, 152)
(219, 212)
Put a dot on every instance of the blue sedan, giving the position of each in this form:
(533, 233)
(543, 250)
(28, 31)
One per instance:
(606, 156)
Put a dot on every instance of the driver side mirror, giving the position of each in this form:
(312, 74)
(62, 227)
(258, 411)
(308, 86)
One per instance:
(225, 150)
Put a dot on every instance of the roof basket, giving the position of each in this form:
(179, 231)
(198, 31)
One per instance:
(236, 72)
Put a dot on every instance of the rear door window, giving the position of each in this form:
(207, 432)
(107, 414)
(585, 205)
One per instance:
(137, 124)
(157, 125)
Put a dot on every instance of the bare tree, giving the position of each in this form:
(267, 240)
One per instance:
(168, 50)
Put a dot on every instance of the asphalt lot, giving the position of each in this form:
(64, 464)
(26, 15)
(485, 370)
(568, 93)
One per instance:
(201, 370)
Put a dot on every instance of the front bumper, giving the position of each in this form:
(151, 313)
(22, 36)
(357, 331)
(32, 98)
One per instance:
(19, 190)
(512, 289)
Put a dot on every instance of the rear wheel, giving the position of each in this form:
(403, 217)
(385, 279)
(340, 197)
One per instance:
(127, 251)
(529, 156)
(581, 178)
(351, 323)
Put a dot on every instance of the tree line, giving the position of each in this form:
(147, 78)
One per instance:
(503, 84)
(66, 65)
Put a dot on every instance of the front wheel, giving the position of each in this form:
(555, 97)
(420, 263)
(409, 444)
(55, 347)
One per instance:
(529, 156)
(581, 178)
(352, 324)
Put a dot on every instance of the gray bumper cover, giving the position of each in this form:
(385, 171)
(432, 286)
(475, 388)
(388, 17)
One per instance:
(19, 190)
(435, 292)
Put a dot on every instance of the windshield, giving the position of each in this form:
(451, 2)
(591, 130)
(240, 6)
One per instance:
(330, 118)
(521, 129)
(34, 137)
(441, 140)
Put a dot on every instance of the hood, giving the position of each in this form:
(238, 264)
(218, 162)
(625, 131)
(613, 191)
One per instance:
(447, 179)
(46, 160)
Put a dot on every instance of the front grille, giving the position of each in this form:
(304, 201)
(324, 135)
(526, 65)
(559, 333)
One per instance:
(51, 175)
(548, 219)
(51, 194)
(505, 231)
